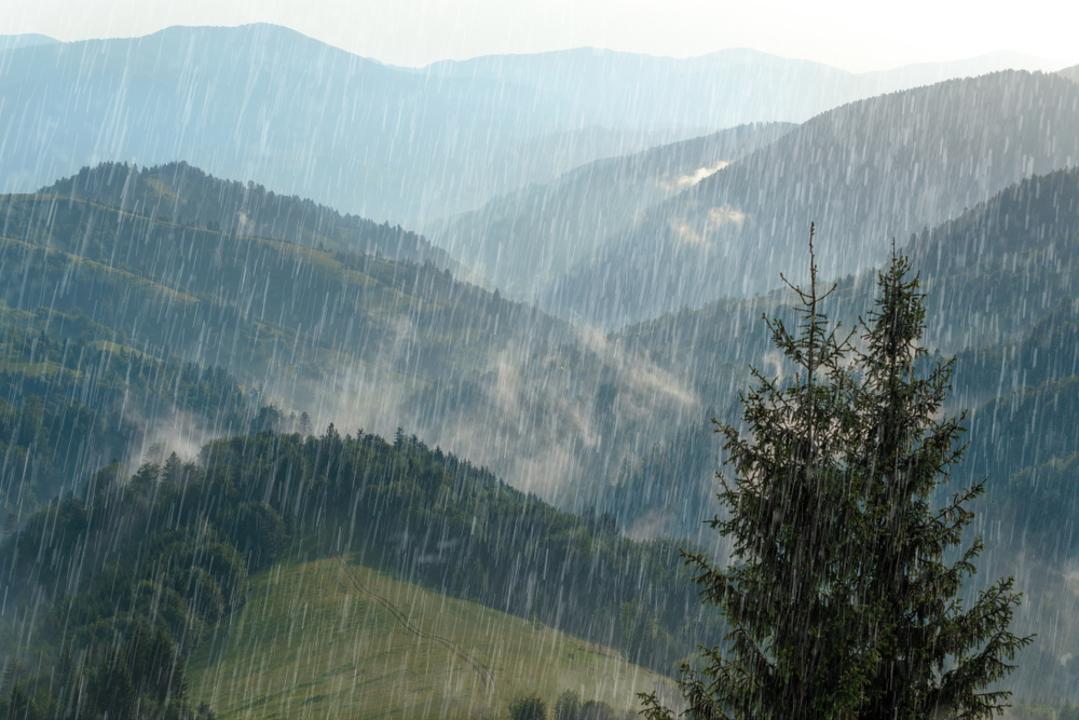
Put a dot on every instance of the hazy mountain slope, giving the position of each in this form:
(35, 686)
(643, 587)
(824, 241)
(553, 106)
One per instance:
(181, 194)
(397, 651)
(522, 240)
(1071, 73)
(866, 172)
(358, 339)
(1000, 269)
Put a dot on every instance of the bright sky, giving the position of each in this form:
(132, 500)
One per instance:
(855, 34)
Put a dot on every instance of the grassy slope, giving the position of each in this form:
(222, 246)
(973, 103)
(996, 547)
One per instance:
(332, 639)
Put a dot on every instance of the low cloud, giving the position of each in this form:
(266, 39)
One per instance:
(683, 182)
(179, 432)
(687, 234)
(725, 215)
(718, 218)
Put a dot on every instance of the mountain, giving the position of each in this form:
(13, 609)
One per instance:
(722, 89)
(1001, 284)
(865, 172)
(1000, 279)
(362, 340)
(77, 393)
(402, 145)
(520, 241)
(1071, 73)
(992, 274)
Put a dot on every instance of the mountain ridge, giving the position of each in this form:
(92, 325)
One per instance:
(245, 208)
(400, 144)
(865, 172)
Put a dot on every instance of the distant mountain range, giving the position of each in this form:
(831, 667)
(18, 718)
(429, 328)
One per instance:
(1071, 73)
(301, 117)
(720, 89)
(389, 143)
(865, 172)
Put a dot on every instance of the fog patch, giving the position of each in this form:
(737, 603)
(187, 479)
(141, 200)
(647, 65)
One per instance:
(687, 234)
(725, 215)
(682, 182)
(179, 433)
(543, 413)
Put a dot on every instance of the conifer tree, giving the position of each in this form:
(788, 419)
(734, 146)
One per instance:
(842, 591)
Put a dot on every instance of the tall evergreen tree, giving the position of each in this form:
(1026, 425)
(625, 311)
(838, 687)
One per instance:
(843, 588)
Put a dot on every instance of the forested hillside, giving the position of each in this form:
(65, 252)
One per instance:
(72, 400)
(348, 337)
(164, 558)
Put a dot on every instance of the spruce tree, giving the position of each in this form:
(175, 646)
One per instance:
(843, 587)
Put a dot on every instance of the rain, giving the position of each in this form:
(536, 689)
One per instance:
(436, 363)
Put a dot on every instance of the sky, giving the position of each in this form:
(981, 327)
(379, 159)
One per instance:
(857, 35)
